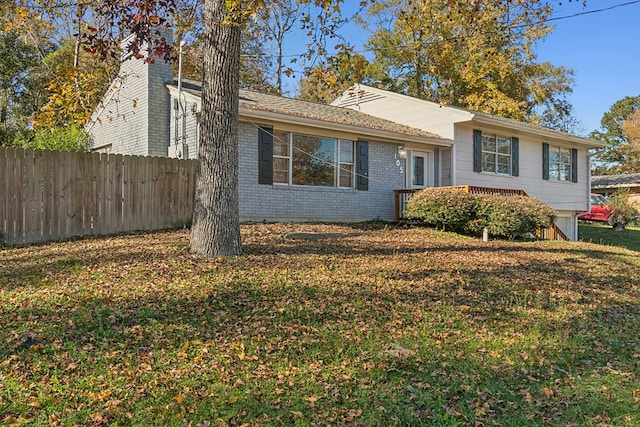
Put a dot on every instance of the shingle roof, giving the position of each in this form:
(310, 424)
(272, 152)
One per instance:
(625, 180)
(360, 93)
(311, 110)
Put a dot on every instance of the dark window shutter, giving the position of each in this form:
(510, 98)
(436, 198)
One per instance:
(265, 155)
(545, 161)
(436, 167)
(574, 165)
(362, 165)
(477, 150)
(515, 156)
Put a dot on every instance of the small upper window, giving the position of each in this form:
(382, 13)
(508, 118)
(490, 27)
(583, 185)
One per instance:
(496, 154)
(559, 163)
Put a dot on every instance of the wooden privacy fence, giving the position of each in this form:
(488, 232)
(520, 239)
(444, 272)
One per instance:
(55, 195)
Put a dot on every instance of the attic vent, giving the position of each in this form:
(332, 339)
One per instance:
(359, 97)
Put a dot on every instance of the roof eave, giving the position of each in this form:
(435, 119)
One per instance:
(248, 114)
(460, 112)
(613, 185)
(526, 128)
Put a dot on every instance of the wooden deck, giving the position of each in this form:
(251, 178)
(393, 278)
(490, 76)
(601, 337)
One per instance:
(403, 196)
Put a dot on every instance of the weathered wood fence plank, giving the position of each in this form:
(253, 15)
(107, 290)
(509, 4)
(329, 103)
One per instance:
(49, 195)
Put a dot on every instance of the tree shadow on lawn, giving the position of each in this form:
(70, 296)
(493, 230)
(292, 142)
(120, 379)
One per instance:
(339, 336)
(331, 352)
(67, 257)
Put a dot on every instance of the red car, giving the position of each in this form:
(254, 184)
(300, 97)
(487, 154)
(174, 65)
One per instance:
(601, 210)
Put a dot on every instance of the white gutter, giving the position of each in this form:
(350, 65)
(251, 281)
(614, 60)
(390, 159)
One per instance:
(538, 131)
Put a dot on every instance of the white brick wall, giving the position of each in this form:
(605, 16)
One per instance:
(306, 203)
(134, 117)
(139, 119)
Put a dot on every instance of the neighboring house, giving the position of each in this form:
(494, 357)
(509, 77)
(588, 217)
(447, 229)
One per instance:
(608, 184)
(491, 151)
(298, 161)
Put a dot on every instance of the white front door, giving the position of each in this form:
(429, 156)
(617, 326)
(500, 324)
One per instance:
(421, 169)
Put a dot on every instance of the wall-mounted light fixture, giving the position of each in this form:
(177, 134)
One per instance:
(402, 152)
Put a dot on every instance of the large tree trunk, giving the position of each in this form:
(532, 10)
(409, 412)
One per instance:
(216, 224)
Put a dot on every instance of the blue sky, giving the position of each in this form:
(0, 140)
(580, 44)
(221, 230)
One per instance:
(601, 46)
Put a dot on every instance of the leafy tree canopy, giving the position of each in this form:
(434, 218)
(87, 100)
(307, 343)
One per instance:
(61, 138)
(475, 54)
(613, 159)
(324, 82)
(75, 84)
(18, 94)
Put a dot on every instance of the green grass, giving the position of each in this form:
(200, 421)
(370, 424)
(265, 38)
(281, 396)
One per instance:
(389, 326)
(604, 234)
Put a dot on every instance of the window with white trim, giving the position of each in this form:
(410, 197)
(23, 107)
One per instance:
(346, 163)
(559, 163)
(300, 159)
(496, 154)
(281, 156)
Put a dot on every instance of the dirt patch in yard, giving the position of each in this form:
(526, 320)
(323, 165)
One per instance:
(319, 236)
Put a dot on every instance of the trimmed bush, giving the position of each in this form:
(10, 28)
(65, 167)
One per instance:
(514, 216)
(447, 208)
(456, 210)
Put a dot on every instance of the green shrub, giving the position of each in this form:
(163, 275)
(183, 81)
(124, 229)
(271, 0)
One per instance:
(514, 216)
(456, 210)
(447, 208)
(623, 213)
(65, 138)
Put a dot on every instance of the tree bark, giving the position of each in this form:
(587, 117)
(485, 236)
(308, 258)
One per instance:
(216, 224)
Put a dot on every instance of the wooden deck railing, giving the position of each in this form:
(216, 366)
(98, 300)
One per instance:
(489, 190)
(551, 233)
(403, 196)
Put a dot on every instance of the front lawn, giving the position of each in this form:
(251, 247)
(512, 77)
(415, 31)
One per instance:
(604, 234)
(379, 326)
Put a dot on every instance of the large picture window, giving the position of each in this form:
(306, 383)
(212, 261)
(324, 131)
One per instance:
(312, 160)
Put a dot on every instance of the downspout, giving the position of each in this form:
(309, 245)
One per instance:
(180, 136)
(454, 163)
(588, 199)
(183, 108)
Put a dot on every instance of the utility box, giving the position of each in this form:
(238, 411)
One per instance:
(179, 151)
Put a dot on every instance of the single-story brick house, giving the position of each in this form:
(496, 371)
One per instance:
(298, 161)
